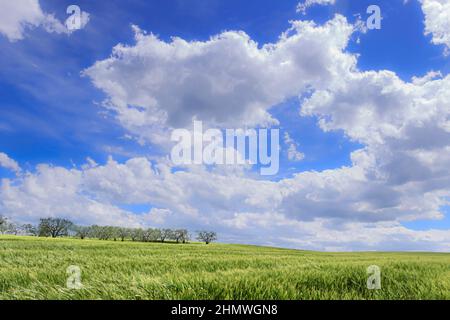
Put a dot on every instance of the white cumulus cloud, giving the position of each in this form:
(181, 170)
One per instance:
(226, 81)
(8, 163)
(437, 20)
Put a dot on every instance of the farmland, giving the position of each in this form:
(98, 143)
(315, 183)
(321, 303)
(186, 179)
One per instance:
(36, 268)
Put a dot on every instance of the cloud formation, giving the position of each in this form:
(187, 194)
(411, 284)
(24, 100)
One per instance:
(228, 81)
(437, 20)
(8, 163)
(400, 174)
(312, 210)
(302, 7)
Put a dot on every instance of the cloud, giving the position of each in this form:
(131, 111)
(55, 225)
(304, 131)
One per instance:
(302, 7)
(400, 174)
(8, 163)
(327, 210)
(405, 128)
(18, 16)
(228, 81)
(15, 17)
(437, 20)
(292, 152)
(55, 191)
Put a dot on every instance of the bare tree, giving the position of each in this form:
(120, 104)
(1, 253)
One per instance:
(206, 236)
(54, 227)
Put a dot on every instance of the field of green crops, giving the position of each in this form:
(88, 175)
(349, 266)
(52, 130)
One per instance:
(36, 268)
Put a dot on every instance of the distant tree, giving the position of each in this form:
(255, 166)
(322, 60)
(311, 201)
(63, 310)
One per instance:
(151, 235)
(9, 227)
(136, 234)
(181, 235)
(155, 235)
(3, 224)
(54, 227)
(105, 232)
(12, 228)
(94, 232)
(206, 236)
(145, 235)
(82, 231)
(123, 233)
(30, 229)
(114, 232)
(166, 234)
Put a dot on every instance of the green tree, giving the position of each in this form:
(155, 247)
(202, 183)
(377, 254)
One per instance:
(136, 234)
(181, 235)
(124, 233)
(166, 234)
(30, 229)
(54, 227)
(3, 224)
(82, 231)
(207, 236)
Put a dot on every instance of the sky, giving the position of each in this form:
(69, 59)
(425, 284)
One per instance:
(86, 117)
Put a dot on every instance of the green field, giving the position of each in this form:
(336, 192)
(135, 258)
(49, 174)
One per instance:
(35, 268)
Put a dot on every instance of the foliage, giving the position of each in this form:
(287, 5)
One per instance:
(207, 236)
(54, 227)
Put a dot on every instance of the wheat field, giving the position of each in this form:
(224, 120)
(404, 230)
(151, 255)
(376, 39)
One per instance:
(37, 268)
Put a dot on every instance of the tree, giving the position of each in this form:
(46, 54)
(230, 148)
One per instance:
(123, 233)
(155, 234)
(9, 227)
(206, 236)
(136, 234)
(145, 236)
(82, 231)
(114, 232)
(181, 235)
(166, 234)
(54, 227)
(104, 233)
(3, 224)
(29, 229)
(12, 228)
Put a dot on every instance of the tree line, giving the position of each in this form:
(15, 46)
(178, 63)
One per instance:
(58, 227)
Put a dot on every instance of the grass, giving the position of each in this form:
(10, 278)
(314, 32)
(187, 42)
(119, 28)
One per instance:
(35, 268)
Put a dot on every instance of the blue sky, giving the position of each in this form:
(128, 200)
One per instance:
(52, 113)
(64, 124)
